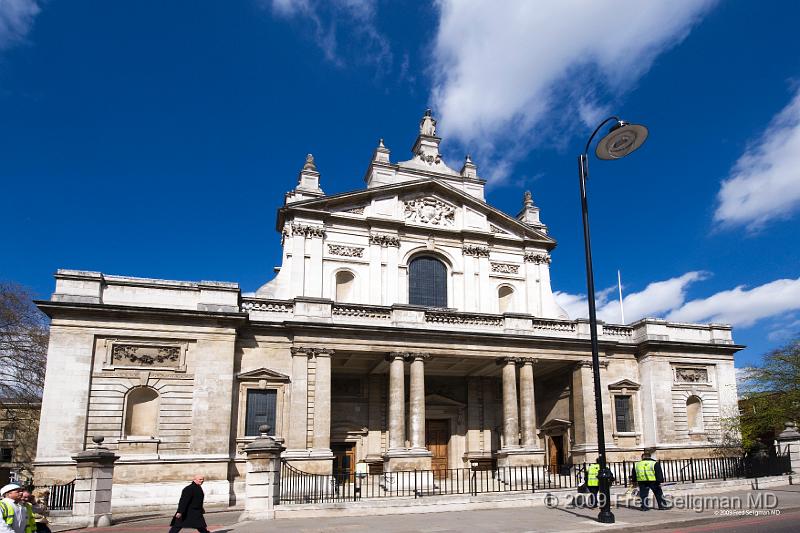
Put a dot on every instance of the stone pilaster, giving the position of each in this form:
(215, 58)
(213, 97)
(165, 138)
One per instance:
(93, 481)
(262, 489)
(527, 405)
(298, 409)
(322, 403)
(789, 440)
(416, 419)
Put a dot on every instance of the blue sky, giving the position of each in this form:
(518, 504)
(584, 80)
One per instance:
(157, 139)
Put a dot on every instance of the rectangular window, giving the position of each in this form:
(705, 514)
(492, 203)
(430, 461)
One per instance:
(6, 455)
(624, 413)
(260, 410)
(9, 434)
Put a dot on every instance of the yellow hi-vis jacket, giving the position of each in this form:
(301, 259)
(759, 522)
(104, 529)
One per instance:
(591, 475)
(8, 516)
(645, 470)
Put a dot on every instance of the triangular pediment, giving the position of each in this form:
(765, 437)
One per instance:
(438, 399)
(555, 423)
(426, 202)
(624, 384)
(262, 373)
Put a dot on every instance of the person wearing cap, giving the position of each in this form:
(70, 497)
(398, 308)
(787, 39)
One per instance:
(14, 514)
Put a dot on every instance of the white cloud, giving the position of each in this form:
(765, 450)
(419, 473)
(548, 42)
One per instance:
(356, 17)
(656, 299)
(16, 19)
(503, 69)
(764, 184)
(742, 307)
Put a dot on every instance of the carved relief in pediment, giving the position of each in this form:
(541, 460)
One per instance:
(429, 210)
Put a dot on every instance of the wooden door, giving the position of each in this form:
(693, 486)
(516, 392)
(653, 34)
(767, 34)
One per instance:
(437, 437)
(554, 452)
(344, 461)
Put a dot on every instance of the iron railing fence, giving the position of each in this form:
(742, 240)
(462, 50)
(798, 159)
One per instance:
(60, 497)
(297, 487)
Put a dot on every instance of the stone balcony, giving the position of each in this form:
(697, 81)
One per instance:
(97, 289)
(304, 309)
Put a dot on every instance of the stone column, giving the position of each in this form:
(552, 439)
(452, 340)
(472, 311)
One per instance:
(93, 480)
(510, 417)
(397, 403)
(322, 403)
(789, 440)
(262, 484)
(527, 405)
(416, 418)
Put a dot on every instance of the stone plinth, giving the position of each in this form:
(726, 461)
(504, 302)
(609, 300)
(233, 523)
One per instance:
(407, 460)
(262, 489)
(93, 481)
(789, 440)
(520, 457)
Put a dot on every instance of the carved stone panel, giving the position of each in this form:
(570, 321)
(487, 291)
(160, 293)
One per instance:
(383, 239)
(504, 268)
(691, 375)
(346, 251)
(429, 210)
(145, 354)
(537, 259)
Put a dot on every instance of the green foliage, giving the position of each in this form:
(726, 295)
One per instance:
(772, 394)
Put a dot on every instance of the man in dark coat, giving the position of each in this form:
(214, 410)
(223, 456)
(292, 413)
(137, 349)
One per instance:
(190, 508)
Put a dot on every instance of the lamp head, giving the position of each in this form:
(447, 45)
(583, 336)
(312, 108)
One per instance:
(622, 139)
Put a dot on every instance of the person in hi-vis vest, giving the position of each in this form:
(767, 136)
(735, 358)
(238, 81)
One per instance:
(593, 482)
(649, 476)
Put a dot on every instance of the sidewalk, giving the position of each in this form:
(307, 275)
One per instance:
(560, 517)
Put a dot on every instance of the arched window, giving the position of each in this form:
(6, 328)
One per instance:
(427, 282)
(141, 413)
(505, 297)
(694, 413)
(345, 285)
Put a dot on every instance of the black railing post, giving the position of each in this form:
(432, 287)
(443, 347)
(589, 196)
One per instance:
(533, 482)
(691, 464)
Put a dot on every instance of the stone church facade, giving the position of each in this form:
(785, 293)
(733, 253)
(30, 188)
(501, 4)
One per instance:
(410, 326)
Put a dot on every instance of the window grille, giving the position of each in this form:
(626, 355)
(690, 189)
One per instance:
(624, 414)
(260, 410)
(427, 282)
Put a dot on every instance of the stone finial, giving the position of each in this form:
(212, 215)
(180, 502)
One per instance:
(310, 165)
(530, 213)
(307, 183)
(789, 432)
(381, 154)
(264, 430)
(98, 440)
(527, 199)
(469, 170)
(427, 126)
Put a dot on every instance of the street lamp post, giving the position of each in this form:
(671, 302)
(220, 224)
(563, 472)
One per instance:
(621, 140)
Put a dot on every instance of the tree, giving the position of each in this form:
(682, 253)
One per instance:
(23, 352)
(772, 394)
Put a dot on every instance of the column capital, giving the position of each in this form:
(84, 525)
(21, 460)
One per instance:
(413, 356)
(588, 364)
(507, 360)
(311, 351)
(391, 356)
(522, 361)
